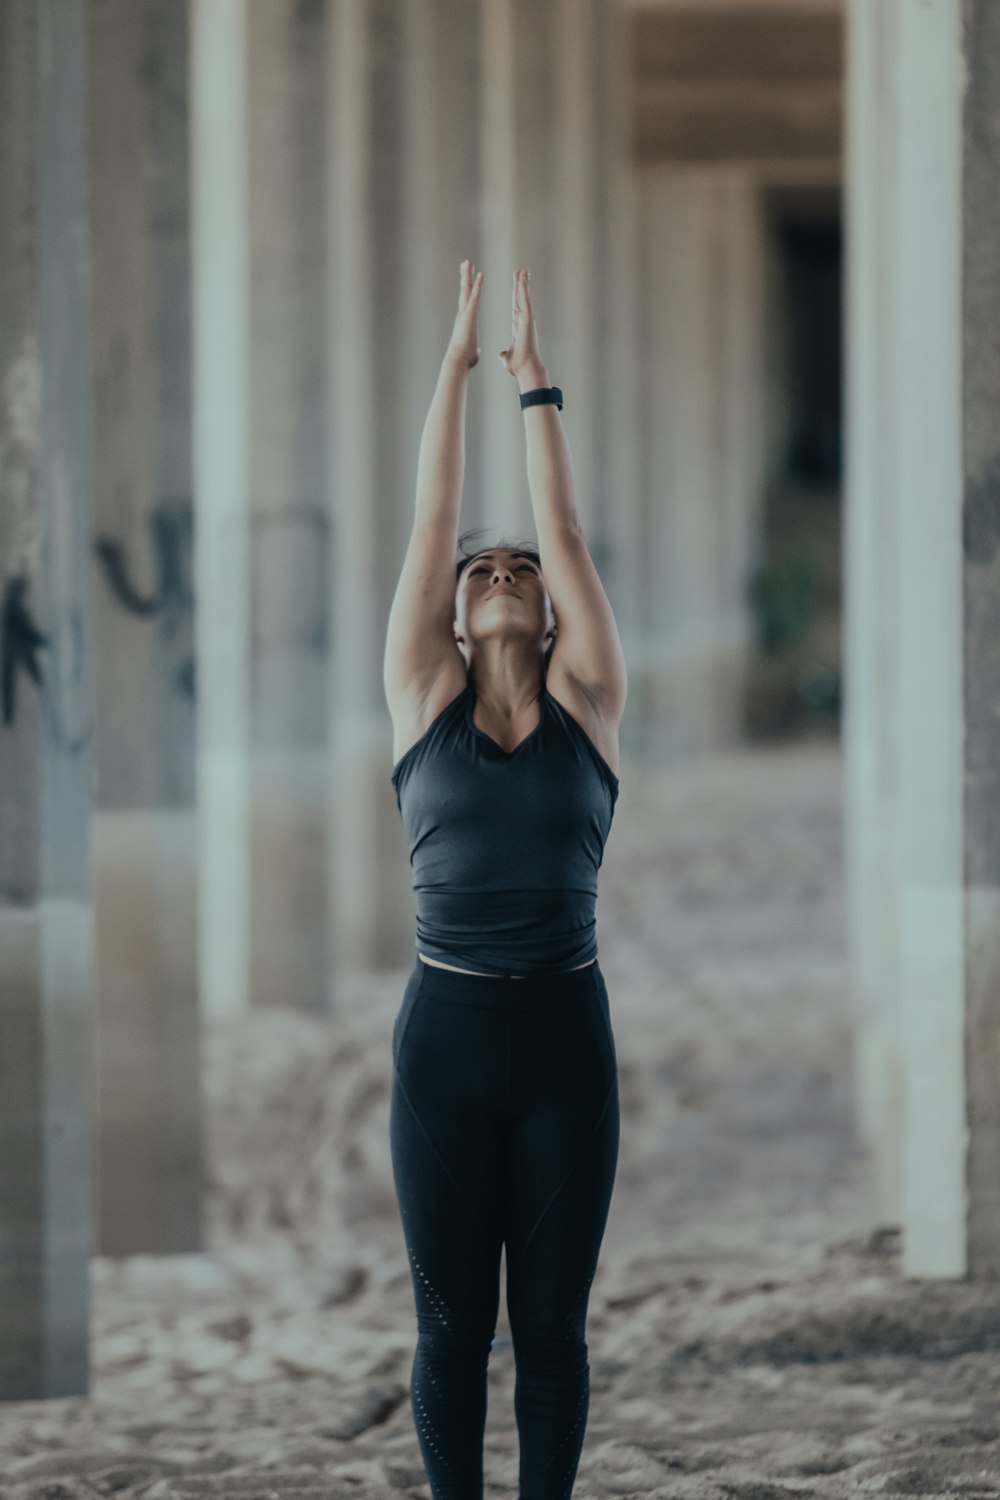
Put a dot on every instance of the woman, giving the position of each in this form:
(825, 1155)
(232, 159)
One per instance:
(506, 689)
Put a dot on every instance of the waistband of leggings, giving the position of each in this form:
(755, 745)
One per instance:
(503, 989)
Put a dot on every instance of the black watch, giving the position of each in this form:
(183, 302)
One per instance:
(545, 395)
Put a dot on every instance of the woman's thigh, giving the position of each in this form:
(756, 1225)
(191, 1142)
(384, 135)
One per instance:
(448, 1147)
(562, 1153)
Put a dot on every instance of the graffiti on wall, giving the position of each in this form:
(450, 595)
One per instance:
(291, 539)
(171, 525)
(61, 686)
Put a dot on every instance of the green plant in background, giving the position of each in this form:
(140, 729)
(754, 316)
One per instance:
(783, 595)
(818, 688)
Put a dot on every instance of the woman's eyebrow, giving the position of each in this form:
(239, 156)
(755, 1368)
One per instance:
(488, 557)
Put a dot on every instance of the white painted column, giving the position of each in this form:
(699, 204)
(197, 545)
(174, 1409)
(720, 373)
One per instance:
(871, 582)
(925, 355)
(221, 416)
(921, 733)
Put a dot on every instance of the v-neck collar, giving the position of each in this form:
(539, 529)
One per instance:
(470, 707)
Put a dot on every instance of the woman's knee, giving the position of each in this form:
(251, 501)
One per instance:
(558, 1344)
(459, 1342)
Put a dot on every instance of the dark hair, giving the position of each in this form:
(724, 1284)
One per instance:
(465, 558)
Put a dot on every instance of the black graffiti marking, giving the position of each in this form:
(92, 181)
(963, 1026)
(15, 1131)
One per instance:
(112, 555)
(75, 676)
(171, 525)
(21, 640)
(172, 531)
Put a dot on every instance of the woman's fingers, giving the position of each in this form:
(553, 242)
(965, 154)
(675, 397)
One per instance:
(467, 285)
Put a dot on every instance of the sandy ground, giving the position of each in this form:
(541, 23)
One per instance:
(750, 1333)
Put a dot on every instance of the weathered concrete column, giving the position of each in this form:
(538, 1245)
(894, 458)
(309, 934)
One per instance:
(440, 205)
(289, 636)
(625, 513)
(47, 723)
(979, 89)
(144, 828)
(221, 446)
(405, 122)
(415, 133)
(553, 149)
(923, 740)
(702, 280)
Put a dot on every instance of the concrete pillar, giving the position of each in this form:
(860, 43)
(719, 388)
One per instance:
(221, 447)
(621, 390)
(369, 476)
(702, 280)
(405, 122)
(430, 194)
(979, 90)
(553, 149)
(439, 185)
(871, 581)
(922, 737)
(144, 828)
(47, 725)
(289, 545)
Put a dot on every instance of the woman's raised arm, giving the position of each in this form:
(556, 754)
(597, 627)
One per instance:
(588, 646)
(419, 632)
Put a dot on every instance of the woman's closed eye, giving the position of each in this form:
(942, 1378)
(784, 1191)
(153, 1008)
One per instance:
(525, 569)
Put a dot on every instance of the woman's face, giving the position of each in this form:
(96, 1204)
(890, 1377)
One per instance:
(480, 613)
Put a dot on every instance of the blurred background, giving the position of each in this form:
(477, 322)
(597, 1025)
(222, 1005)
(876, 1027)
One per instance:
(763, 238)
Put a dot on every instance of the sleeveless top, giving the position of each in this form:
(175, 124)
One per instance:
(505, 845)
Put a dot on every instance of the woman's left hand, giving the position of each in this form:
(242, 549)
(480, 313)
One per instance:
(522, 352)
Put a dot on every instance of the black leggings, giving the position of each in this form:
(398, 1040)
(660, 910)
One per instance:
(504, 1132)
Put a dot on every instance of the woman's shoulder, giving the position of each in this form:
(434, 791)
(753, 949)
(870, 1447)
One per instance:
(600, 727)
(413, 715)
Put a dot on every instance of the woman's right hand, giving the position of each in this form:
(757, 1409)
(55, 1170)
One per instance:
(464, 343)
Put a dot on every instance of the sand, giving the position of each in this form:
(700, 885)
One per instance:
(750, 1332)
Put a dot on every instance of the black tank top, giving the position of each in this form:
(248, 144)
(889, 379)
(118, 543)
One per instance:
(505, 845)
